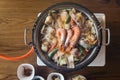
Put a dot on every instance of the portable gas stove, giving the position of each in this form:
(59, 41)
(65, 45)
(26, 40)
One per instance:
(100, 60)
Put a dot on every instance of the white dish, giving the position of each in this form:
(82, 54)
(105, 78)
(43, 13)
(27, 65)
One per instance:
(21, 70)
(57, 74)
(80, 77)
(38, 77)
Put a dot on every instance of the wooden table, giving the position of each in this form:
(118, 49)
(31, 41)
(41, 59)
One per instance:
(16, 15)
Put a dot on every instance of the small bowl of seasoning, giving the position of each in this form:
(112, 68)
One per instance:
(78, 77)
(25, 72)
(55, 76)
(38, 78)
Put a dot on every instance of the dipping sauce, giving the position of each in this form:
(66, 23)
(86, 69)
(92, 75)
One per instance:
(27, 71)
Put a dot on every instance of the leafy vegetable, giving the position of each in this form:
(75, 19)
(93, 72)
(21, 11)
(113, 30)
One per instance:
(68, 19)
(82, 50)
(62, 60)
(52, 53)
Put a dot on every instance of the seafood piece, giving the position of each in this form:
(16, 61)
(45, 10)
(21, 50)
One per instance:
(45, 46)
(93, 30)
(73, 18)
(63, 16)
(48, 37)
(48, 20)
(50, 30)
(72, 22)
(76, 35)
(53, 13)
(73, 10)
(62, 60)
(78, 77)
(88, 41)
(89, 23)
(69, 35)
(70, 61)
(80, 18)
(84, 43)
(72, 15)
(61, 34)
(76, 53)
(77, 17)
(60, 23)
(49, 34)
(88, 26)
(58, 55)
(92, 39)
(75, 38)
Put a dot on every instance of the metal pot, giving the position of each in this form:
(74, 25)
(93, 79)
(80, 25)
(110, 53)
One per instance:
(36, 36)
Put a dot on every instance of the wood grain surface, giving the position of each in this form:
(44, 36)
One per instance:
(16, 15)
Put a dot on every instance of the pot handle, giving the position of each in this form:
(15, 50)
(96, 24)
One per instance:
(25, 37)
(108, 38)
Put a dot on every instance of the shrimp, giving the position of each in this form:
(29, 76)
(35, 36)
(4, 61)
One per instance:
(69, 35)
(61, 34)
(74, 39)
(72, 22)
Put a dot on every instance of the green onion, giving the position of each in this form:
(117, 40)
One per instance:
(68, 19)
(52, 53)
(82, 50)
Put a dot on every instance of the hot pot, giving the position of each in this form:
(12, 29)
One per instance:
(36, 36)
